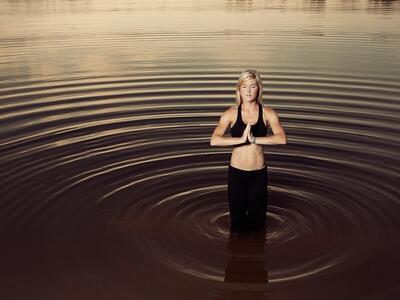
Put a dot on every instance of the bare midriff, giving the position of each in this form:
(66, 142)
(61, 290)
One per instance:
(248, 157)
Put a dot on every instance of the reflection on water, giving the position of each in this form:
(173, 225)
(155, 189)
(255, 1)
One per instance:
(241, 266)
(109, 187)
(246, 264)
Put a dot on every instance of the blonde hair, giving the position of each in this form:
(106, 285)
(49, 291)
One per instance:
(249, 74)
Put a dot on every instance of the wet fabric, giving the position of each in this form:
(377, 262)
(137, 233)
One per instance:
(248, 196)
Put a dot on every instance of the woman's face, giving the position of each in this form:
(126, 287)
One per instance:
(249, 90)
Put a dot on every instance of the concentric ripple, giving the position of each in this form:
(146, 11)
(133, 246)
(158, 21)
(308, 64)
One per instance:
(105, 127)
(327, 221)
(146, 165)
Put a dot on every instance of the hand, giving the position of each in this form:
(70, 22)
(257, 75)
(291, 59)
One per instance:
(250, 137)
(245, 135)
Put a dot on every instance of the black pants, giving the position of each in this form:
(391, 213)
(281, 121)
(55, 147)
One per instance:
(248, 195)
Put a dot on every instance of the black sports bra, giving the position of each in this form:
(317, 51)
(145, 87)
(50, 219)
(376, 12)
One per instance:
(258, 129)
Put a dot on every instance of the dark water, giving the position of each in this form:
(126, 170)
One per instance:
(110, 190)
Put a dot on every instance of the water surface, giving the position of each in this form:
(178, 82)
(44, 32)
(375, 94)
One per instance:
(110, 189)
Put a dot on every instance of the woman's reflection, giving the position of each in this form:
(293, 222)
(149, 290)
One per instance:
(246, 264)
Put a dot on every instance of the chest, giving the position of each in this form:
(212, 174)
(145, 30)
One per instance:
(249, 118)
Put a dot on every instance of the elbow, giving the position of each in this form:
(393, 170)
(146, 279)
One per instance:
(284, 140)
(215, 141)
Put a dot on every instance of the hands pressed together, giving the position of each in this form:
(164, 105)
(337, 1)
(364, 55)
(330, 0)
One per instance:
(248, 135)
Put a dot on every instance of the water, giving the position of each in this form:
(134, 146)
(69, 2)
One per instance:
(110, 189)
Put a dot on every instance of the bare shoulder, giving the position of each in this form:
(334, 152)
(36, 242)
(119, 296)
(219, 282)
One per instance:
(230, 112)
(228, 115)
(268, 110)
(269, 114)
(233, 108)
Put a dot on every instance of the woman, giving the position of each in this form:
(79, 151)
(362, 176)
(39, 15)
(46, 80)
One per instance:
(247, 173)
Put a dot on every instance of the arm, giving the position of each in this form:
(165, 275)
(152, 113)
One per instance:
(279, 136)
(218, 138)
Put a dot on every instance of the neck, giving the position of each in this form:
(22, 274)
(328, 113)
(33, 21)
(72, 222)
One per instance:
(249, 105)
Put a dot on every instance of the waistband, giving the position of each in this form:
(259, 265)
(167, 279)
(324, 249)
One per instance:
(264, 168)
